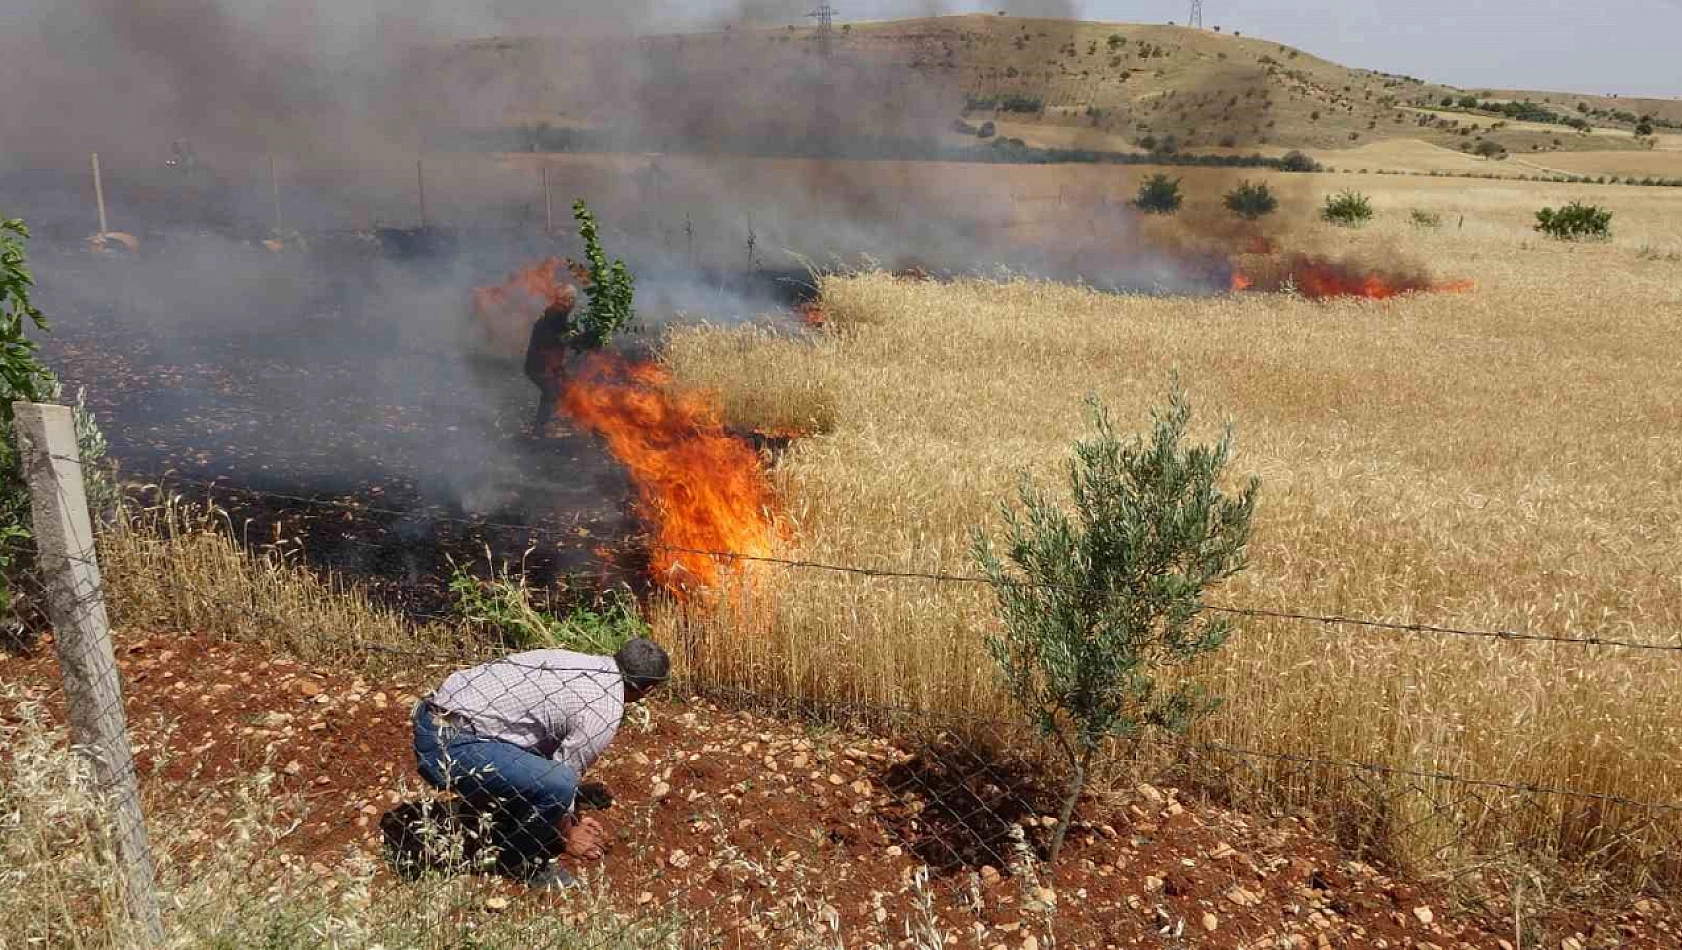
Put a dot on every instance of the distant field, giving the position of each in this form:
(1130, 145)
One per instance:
(1662, 164)
(1409, 155)
(1500, 459)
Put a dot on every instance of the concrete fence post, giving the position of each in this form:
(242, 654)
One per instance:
(82, 636)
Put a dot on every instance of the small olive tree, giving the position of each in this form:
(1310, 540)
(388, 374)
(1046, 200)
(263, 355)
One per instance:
(1098, 601)
(1159, 194)
(1251, 201)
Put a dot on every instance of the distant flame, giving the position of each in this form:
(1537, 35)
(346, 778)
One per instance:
(699, 488)
(1321, 278)
(812, 314)
(505, 313)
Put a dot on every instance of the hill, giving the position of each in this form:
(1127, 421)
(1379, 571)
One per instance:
(1050, 83)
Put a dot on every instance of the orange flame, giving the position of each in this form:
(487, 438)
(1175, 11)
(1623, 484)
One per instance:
(1321, 278)
(812, 314)
(505, 313)
(698, 487)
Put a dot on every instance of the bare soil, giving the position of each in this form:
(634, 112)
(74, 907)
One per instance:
(744, 823)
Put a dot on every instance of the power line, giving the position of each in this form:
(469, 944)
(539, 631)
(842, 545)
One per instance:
(1196, 17)
(1329, 620)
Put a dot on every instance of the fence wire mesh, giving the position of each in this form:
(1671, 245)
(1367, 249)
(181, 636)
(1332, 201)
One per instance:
(528, 794)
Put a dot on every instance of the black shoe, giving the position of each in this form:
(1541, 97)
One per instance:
(547, 876)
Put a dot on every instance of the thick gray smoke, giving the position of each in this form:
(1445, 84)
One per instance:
(370, 365)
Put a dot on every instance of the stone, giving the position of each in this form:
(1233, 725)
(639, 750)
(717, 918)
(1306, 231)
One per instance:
(990, 875)
(1211, 923)
(1424, 915)
(496, 903)
(309, 689)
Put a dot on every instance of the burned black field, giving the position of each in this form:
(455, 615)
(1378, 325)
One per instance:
(336, 400)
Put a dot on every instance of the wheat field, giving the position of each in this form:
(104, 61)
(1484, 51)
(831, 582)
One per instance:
(1506, 458)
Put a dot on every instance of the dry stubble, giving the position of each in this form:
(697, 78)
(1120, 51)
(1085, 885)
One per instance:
(1504, 459)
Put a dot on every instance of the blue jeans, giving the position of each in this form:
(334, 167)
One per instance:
(524, 795)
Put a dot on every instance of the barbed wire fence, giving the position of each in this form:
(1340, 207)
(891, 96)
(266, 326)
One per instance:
(957, 805)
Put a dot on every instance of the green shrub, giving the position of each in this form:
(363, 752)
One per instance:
(1097, 603)
(1488, 149)
(1295, 161)
(1347, 209)
(1425, 219)
(504, 604)
(1159, 194)
(611, 291)
(24, 378)
(1251, 201)
(1574, 222)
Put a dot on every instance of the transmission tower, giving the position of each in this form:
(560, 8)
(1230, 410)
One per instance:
(825, 15)
(1196, 18)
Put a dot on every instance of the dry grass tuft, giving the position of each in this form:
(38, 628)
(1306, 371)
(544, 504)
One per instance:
(1504, 459)
(180, 566)
(748, 370)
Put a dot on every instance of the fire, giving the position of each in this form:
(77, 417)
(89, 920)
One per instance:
(505, 313)
(698, 487)
(1321, 278)
(812, 314)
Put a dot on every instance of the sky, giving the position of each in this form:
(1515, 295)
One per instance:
(1624, 47)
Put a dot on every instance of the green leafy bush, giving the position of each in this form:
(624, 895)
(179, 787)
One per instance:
(505, 604)
(1575, 222)
(1425, 219)
(1295, 161)
(1347, 209)
(1098, 602)
(1251, 201)
(611, 291)
(24, 378)
(1159, 194)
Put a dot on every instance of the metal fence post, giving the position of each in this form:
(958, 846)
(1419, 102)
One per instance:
(82, 637)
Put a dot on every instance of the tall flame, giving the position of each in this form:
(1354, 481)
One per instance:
(505, 313)
(699, 488)
(1321, 278)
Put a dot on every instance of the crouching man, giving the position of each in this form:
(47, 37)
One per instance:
(514, 737)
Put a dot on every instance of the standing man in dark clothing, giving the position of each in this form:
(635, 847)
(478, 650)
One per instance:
(546, 355)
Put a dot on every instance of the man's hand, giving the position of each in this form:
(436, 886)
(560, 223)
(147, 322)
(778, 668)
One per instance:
(593, 795)
(585, 838)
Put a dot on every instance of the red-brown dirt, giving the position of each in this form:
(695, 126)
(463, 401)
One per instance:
(738, 821)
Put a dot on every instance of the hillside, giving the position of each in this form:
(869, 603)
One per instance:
(1054, 83)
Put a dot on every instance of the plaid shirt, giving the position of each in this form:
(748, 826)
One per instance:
(560, 705)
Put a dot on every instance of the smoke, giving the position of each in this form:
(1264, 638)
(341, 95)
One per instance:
(340, 369)
(300, 77)
(1048, 9)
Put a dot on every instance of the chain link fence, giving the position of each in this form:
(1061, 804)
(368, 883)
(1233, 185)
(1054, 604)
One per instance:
(475, 798)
